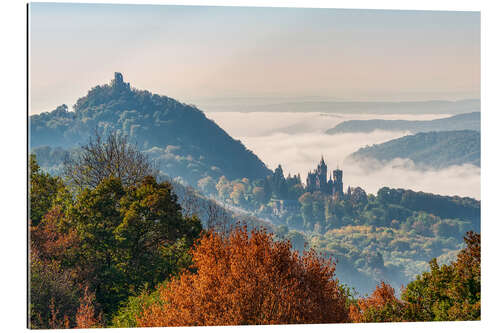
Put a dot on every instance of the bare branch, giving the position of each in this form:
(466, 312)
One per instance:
(102, 158)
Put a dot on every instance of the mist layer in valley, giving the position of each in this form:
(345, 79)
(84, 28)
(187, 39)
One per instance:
(297, 141)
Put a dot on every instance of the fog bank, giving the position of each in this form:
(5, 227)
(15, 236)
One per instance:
(297, 141)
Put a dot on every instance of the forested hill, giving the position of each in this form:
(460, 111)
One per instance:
(431, 149)
(466, 121)
(179, 137)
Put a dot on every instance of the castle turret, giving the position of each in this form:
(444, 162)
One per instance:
(338, 185)
(321, 172)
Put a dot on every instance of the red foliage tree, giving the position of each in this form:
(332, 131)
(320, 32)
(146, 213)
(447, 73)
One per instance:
(381, 306)
(247, 280)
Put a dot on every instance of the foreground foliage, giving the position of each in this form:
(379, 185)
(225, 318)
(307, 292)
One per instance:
(446, 293)
(94, 249)
(449, 292)
(118, 255)
(248, 280)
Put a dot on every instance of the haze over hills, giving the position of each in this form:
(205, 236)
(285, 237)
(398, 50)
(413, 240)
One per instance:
(368, 243)
(179, 137)
(319, 104)
(431, 149)
(466, 121)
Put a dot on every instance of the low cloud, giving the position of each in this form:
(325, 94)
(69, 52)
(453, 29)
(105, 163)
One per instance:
(297, 141)
(463, 180)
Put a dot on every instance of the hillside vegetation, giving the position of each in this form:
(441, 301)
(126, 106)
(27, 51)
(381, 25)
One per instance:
(466, 121)
(432, 149)
(142, 252)
(178, 137)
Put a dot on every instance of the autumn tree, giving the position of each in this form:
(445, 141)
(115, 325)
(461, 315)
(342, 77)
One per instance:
(53, 290)
(248, 279)
(86, 316)
(207, 185)
(381, 306)
(223, 187)
(104, 157)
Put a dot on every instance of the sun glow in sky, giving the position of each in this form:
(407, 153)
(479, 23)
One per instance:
(196, 54)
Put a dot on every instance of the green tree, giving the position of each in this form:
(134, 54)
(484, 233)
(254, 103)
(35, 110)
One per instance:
(449, 292)
(130, 237)
(42, 192)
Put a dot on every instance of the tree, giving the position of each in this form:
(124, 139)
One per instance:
(53, 288)
(223, 187)
(207, 185)
(86, 316)
(449, 292)
(130, 237)
(247, 280)
(238, 194)
(111, 156)
(259, 194)
(381, 306)
(43, 190)
(446, 293)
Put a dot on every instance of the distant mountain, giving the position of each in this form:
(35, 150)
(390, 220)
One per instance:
(179, 137)
(466, 121)
(431, 149)
(318, 104)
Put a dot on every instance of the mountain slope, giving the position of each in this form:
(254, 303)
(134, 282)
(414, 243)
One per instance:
(179, 137)
(466, 121)
(431, 149)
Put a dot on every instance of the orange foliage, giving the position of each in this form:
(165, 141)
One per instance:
(48, 241)
(381, 306)
(54, 321)
(248, 280)
(85, 316)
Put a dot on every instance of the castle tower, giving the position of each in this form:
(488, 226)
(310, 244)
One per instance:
(338, 185)
(118, 84)
(321, 173)
(310, 182)
(118, 78)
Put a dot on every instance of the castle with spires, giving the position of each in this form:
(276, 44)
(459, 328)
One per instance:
(316, 181)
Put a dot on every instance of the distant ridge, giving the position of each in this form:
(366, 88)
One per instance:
(466, 121)
(318, 105)
(179, 137)
(431, 149)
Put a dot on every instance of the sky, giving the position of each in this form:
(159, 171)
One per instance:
(197, 54)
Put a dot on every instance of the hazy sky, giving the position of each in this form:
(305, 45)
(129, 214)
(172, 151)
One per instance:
(199, 53)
